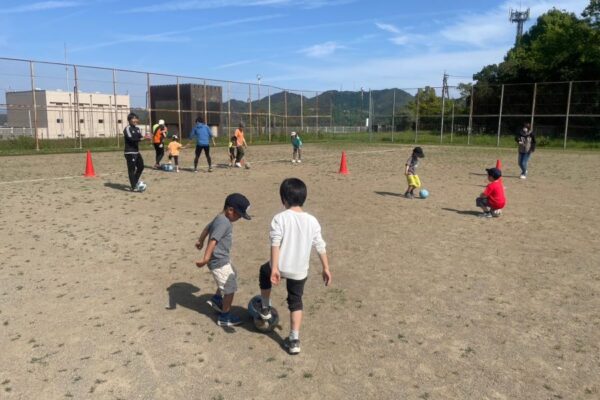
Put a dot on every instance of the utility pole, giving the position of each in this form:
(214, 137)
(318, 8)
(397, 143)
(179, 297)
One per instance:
(518, 17)
(444, 95)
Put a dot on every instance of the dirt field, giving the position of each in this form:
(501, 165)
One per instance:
(428, 301)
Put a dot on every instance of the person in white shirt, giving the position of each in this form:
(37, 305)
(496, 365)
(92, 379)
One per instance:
(293, 234)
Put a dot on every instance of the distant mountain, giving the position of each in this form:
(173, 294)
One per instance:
(348, 108)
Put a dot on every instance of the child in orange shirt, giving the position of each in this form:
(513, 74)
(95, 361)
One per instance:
(174, 148)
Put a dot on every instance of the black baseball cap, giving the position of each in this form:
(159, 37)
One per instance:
(494, 173)
(239, 203)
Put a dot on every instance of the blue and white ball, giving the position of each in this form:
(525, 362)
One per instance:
(424, 193)
(259, 323)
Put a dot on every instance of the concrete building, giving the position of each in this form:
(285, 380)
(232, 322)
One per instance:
(59, 115)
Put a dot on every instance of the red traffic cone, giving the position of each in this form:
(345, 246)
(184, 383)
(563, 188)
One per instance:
(89, 166)
(344, 165)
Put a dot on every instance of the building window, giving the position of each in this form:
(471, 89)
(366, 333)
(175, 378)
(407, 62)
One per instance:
(100, 121)
(59, 120)
(82, 121)
(119, 121)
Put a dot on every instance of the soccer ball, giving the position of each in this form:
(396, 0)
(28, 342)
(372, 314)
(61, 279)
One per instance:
(424, 193)
(167, 167)
(259, 323)
(247, 165)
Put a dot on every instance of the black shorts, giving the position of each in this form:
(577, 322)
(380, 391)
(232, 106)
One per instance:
(482, 202)
(295, 288)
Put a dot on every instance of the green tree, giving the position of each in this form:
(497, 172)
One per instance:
(592, 14)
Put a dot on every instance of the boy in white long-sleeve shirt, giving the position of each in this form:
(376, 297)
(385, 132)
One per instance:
(293, 234)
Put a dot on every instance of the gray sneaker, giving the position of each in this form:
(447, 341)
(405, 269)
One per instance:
(292, 346)
(265, 313)
(485, 215)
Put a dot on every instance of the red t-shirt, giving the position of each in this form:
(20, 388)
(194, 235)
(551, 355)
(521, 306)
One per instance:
(495, 194)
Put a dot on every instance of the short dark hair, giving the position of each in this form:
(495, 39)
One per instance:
(132, 116)
(234, 138)
(293, 192)
(199, 120)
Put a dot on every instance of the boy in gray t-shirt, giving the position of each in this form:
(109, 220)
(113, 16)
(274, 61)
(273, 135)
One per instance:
(220, 234)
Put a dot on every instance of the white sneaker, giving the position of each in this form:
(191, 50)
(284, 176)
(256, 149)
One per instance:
(293, 161)
(523, 176)
(299, 161)
(238, 165)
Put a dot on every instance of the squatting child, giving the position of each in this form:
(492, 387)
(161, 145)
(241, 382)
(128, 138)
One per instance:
(217, 256)
(492, 200)
(410, 170)
(293, 233)
(297, 146)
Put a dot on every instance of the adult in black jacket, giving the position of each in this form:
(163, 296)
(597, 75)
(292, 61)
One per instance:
(135, 162)
(526, 141)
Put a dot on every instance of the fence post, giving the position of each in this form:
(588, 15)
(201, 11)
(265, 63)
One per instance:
(35, 120)
(301, 112)
(179, 109)
(285, 121)
(149, 100)
(317, 113)
(470, 128)
(77, 121)
(228, 109)
(443, 112)
(250, 111)
(205, 104)
(500, 116)
(452, 124)
(114, 79)
(269, 117)
(567, 116)
(393, 115)
(417, 116)
(533, 105)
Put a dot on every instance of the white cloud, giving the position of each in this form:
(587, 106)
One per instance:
(321, 50)
(40, 6)
(235, 64)
(387, 27)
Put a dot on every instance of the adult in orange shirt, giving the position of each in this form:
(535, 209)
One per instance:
(159, 136)
(240, 145)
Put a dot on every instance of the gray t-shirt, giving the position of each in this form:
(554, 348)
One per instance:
(220, 229)
(413, 163)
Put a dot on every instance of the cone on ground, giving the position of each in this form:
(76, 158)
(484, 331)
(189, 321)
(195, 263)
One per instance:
(344, 164)
(499, 164)
(89, 166)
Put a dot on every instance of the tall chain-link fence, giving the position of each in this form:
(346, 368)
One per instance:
(54, 105)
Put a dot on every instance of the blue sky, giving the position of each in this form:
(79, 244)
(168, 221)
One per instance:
(303, 44)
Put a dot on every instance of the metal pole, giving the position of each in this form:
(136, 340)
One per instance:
(179, 109)
(149, 100)
(417, 116)
(452, 124)
(77, 121)
(500, 116)
(228, 108)
(567, 116)
(317, 112)
(35, 120)
(269, 117)
(285, 110)
(114, 78)
(443, 112)
(205, 104)
(301, 112)
(393, 115)
(533, 105)
(470, 128)
(370, 124)
(250, 109)
(258, 109)
(91, 130)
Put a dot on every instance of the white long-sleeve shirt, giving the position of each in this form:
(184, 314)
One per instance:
(295, 233)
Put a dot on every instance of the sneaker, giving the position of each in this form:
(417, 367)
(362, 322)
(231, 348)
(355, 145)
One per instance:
(485, 215)
(292, 346)
(496, 213)
(195, 169)
(140, 187)
(238, 165)
(228, 320)
(523, 176)
(299, 161)
(293, 161)
(409, 195)
(265, 312)
(216, 302)
(210, 169)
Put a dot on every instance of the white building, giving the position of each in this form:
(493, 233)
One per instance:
(59, 115)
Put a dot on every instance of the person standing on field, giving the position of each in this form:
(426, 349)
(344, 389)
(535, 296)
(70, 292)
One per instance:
(135, 162)
(526, 142)
(241, 145)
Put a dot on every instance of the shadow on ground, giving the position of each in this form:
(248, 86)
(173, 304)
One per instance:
(118, 186)
(464, 212)
(389, 194)
(183, 294)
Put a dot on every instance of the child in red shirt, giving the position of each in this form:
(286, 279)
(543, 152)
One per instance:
(492, 200)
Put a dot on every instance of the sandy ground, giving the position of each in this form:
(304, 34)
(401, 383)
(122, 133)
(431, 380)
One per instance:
(428, 301)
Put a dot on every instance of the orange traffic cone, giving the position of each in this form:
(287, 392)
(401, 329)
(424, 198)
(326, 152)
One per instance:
(89, 166)
(499, 165)
(344, 165)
